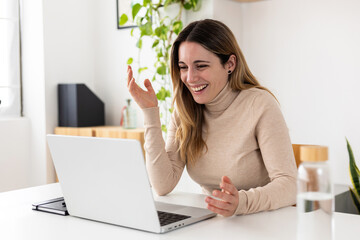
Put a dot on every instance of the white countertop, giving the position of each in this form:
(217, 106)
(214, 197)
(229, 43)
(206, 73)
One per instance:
(19, 221)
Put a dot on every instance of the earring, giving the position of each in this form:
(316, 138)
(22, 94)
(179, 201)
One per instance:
(229, 72)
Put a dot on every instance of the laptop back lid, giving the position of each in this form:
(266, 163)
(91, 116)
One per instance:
(105, 179)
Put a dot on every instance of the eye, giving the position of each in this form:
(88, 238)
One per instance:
(182, 67)
(201, 66)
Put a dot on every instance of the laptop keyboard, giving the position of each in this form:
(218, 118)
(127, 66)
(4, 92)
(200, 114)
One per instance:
(168, 218)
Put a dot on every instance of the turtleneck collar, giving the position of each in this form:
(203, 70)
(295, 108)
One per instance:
(222, 101)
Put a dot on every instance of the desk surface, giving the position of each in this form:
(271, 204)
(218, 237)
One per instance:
(18, 221)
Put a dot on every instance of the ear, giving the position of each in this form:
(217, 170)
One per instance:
(231, 63)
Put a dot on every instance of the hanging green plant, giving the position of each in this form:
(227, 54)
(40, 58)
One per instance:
(355, 178)
(161, 29)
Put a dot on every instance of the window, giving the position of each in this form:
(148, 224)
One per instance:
(10, 78)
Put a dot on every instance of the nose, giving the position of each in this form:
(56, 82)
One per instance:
(191, 75)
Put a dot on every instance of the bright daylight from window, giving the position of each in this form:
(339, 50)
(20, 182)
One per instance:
(10, 84)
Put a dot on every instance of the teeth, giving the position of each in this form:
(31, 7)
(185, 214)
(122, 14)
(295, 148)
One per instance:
(199, 88)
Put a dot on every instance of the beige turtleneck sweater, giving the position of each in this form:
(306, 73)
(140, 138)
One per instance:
(247, 140)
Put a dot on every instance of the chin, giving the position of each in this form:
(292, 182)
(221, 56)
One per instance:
(200, 101)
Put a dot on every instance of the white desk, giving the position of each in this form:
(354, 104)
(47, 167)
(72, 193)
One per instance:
(18, 221)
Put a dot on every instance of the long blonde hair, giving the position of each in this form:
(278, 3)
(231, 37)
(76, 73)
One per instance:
(217, 38)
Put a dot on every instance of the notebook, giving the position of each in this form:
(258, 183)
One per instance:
(105, 179)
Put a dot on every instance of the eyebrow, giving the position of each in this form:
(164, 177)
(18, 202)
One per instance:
(197, 61)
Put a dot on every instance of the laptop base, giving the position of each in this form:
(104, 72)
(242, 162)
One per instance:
(55, 206)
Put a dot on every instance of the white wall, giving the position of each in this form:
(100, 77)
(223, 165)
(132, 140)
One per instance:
(307, 53)
(68, 53)
(15, 168)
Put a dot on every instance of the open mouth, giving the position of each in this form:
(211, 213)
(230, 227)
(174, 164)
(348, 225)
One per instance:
(200, 88)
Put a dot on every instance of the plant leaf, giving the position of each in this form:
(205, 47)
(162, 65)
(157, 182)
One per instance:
(164, 128)
(146, 29)
(161, 94)
(354, 171)
(130, 61)
(146, 2)
(135, 10)
(158, 31)
(162, 32)
(196, 5)
(156, 42)
(161, 70)
(160, 54)
(177, 27)
(142, 69)
(187, 6)
(355, 199)
(123, 19)
(166, 3)
(167, 94)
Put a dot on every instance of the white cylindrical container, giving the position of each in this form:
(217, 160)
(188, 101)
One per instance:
(315, 200)
(130, 120)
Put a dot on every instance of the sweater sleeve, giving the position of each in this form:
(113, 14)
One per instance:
(163, 163)
(275, 146)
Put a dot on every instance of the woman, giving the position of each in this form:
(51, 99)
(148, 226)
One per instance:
(226, 128)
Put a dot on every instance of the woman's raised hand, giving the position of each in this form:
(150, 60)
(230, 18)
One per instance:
(229, 198)
(145, 99)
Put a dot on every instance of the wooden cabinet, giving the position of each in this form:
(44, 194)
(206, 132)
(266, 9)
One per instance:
(103, 131)
(75, 131)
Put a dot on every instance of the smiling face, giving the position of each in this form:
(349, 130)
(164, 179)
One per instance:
(202, 72)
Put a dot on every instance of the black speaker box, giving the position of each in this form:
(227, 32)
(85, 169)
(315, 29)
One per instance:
(79, 106)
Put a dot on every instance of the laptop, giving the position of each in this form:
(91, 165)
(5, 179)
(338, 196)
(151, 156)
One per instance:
(105, 179)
